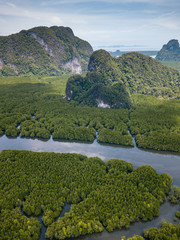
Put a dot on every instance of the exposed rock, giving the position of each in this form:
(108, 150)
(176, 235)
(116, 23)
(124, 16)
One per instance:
(169, 51)
(111, 81)
(42, 43)
(172, 45)
(11, 65)
(74, 65)
(1, 63)
(43, 50)
(101, 104)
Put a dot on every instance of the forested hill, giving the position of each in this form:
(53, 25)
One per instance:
(169, 51)
(111, 81)
(43, 50)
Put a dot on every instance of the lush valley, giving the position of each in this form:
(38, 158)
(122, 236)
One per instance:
(137, 96)
(43, 51)
(110, 195)
(43, 111)
(27, 177)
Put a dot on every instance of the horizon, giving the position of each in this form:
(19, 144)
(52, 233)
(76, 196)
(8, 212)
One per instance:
(125, 25)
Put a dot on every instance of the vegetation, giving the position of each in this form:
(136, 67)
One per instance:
(43, 51)
(135, 237)
(175, 195)
(173, 64)
(43, 112)
(167, 231)
(110, 195)
(178, 214)
(111, 81)
(16, 226)
(156, 124)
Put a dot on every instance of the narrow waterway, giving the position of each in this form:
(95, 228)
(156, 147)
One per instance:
(65, 209)
(167, 213)
(161, 161)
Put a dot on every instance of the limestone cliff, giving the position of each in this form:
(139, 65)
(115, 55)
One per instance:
(43, 50)
(111, 81)
(169, 52)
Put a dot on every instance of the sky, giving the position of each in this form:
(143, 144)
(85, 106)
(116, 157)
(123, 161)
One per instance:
(108, 24)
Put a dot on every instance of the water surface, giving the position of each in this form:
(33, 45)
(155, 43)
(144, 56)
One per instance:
(161, 161)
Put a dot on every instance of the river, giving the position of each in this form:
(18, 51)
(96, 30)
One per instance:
(161, 161)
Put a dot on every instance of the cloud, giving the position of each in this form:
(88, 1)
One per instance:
(102, 22)
(112, 1)
(11, 5)
(12, 10)
(170, 21)
(156, 2)
(56, 20)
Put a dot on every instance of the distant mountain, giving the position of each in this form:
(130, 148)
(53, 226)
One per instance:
(111, 81)
(169, 51)
(43, 50)
(119, 53)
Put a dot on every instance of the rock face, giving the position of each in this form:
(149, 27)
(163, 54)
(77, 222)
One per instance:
(169, 52)
(43, 50)
(1, 64)
(74, 65)
(111, 81)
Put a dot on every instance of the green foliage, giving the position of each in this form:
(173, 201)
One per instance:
(173, 64)
(114, 165)
(112, 80)
(43, 112)
(167, 231)
(110, 195)
(146, 75)
(114, 137)
(175, 195)
(77, 133)
(42, 51)
(13, 225)
(156, 124)
(178, 214)
(135, 237)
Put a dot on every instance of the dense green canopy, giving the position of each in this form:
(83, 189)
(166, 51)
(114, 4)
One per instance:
(111, 81)
(43, 51)
(110, 195)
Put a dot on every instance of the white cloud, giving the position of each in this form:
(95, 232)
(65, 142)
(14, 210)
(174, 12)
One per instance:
(99, 26)
(156, 2)
(12, 10)
(170, 21)
(11, 5)
(169, 25)
(56, 20)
